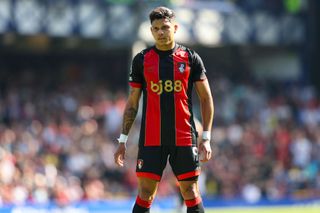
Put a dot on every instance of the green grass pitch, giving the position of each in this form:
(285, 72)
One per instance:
(286, 209)
(278, 209)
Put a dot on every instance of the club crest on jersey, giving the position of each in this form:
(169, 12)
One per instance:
(139, 163)
(181, 67)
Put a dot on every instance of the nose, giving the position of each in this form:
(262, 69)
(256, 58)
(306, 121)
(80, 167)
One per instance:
(160, 32)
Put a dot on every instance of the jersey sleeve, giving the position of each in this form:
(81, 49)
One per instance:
(197, 67)
(136, 72)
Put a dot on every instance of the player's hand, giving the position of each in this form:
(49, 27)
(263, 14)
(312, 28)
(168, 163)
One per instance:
(119, 155)
(205, 151)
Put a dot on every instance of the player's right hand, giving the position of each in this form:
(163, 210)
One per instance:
(119, 155)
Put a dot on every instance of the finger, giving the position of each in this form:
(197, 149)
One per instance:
(120, 163)
(209, 155)
(203, 157)
(121, 160)
(118, 160)
(206, 156)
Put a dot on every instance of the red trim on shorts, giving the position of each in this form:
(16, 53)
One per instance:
(143, 203)
(136, 85)
(193, 202)
(188, 175)
(149, 175)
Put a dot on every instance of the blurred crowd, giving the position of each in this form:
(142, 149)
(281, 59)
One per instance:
(57, 143)
(268, 142)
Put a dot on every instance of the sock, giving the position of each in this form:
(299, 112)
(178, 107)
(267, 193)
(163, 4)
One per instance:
(195, 205)
(141, 206)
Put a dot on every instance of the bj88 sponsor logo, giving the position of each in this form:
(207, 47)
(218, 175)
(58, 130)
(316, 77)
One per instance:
(166, 86)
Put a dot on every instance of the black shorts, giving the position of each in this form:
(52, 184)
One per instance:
(184, 161)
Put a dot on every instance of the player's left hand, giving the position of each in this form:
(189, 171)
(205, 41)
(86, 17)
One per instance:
(205, 151)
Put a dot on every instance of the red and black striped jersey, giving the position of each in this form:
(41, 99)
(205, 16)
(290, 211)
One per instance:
(166, 79)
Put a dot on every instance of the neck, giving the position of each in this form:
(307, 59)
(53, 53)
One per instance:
(165, 47)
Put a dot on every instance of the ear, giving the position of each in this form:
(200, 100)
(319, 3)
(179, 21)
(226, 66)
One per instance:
(175, 28)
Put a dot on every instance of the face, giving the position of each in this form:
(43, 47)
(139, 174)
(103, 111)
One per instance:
(163, 33)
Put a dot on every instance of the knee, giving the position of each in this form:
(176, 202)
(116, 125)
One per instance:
(146, 193)
(190, 192)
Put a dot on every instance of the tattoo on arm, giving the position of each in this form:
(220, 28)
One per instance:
(128, 119)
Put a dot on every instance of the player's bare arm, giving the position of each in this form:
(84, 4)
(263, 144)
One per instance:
(128, 119)
(207, 112)
(129, 116)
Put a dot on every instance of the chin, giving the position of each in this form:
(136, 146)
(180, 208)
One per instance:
(166, 43)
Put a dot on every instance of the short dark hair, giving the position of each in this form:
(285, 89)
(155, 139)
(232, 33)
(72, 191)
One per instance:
(161, 13)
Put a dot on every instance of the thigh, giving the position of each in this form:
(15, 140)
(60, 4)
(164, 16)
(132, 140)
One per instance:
(184, 161)
(151, 162)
